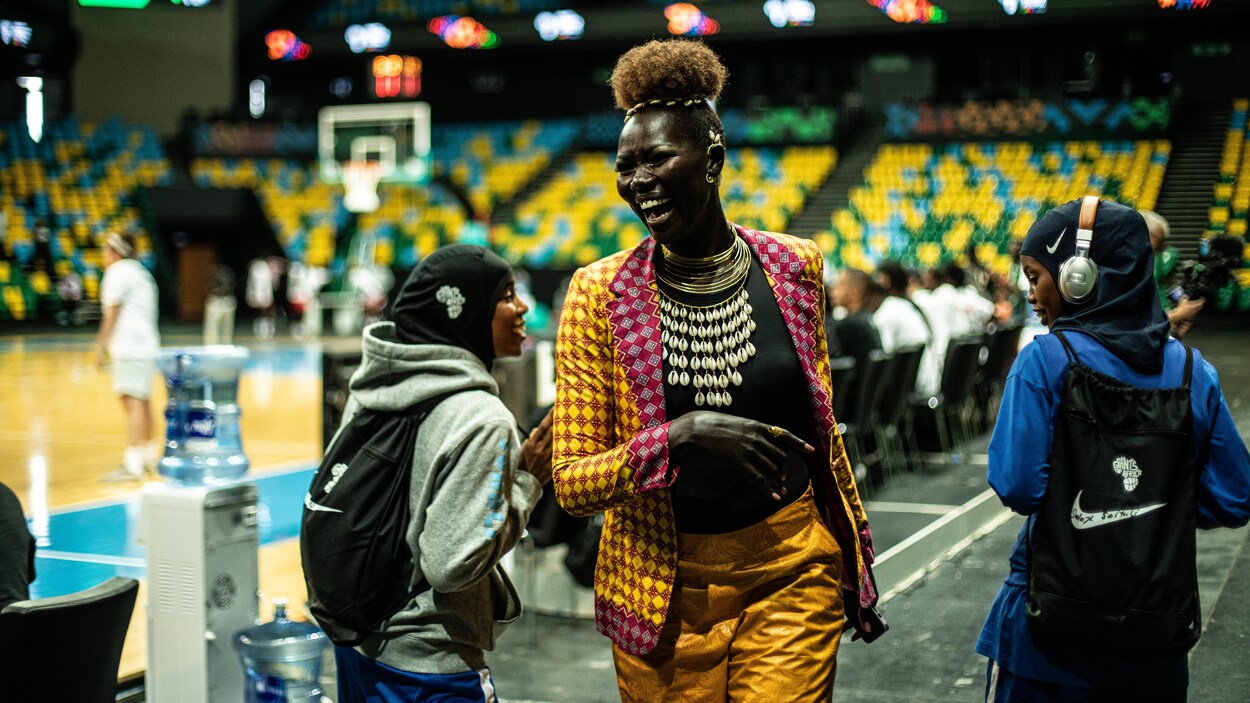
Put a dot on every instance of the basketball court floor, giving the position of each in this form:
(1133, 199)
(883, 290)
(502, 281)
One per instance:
(63, 429)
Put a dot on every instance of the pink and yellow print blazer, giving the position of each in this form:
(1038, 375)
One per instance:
(611, 431)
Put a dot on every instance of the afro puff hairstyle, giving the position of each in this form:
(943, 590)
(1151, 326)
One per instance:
(668, 74)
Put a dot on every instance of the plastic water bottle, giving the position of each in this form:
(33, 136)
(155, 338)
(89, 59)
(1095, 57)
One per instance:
(282, 659)
(202, 442)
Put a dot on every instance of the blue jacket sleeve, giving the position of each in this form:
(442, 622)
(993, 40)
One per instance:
(1019, 461)
(1224, 481)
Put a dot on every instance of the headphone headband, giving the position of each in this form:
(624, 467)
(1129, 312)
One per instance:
(1085, 224)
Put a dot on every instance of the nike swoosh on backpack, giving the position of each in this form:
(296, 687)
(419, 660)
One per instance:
(1082, 520)
(317, 507)
(1051, 249)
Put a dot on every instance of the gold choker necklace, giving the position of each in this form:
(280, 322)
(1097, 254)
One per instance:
(707, 276)
(702, 261)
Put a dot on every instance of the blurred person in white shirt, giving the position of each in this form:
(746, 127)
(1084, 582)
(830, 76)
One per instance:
(967, 310)
(902, 324)
(921, 290)
(129, 338)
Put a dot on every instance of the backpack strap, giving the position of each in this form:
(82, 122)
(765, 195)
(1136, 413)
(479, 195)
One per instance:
(923, 318)
(1067, 347)
(422, 410)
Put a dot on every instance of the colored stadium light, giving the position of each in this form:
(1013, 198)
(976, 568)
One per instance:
(256, 98)
(1023, 7)
(396, 76)
(192, 3)
(792, 13)
(15, 33)
(373, 36)
(684, 19)
(34, 106)
(561, 24)
(1184, 4)
(285, 46)
(462, 32)
(911, 11)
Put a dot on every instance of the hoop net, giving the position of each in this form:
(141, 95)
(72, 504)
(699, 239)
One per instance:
(360, 185)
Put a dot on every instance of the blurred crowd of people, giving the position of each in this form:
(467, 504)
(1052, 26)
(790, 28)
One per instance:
(895, 307)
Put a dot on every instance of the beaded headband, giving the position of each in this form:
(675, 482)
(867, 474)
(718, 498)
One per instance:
(661, 101)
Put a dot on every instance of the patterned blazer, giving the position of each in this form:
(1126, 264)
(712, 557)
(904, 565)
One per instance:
(611, 432)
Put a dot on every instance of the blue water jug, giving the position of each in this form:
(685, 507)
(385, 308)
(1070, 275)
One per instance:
(202, 442)
(282, 659)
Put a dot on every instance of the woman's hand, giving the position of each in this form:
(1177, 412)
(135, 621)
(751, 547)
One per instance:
(751, 448)
(536, 452)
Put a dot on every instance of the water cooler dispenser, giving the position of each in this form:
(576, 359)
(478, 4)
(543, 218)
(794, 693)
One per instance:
(200, 530)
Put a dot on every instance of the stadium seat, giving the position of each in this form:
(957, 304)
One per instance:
(926, 204)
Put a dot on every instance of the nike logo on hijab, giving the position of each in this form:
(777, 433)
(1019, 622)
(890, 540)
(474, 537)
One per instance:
(1051, 249)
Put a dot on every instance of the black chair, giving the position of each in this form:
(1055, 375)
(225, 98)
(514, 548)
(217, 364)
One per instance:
(898, 385)
(66, 648)
(842, 376)
(1001, 352)
(948, 407)
(857, 418)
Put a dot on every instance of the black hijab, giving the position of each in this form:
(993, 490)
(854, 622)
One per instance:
(1124, 314)
(450, 299)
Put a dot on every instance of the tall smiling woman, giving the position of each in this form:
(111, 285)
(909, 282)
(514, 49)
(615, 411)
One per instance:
(693, 409)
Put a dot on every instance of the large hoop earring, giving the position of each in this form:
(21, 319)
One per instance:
(710, 178)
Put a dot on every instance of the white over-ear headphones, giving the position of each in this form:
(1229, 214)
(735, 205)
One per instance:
(1078, 275)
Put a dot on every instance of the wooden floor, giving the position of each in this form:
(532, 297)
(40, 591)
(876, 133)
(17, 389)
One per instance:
(62, 429)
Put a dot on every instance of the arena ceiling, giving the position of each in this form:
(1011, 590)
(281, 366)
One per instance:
(614, 22)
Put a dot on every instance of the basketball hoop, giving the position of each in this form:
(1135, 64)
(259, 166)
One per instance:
(360, 185)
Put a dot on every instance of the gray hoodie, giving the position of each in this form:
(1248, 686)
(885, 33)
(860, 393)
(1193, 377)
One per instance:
(469, 503)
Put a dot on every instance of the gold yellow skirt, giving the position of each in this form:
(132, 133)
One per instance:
(756, 616)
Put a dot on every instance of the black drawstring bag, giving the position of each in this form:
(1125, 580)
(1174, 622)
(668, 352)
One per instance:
(1112, 549)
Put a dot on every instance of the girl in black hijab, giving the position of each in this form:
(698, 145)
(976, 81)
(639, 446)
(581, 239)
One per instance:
(474, 480)
(1123, 313)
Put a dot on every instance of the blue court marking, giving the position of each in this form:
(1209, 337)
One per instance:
(276, 357)
(286, 359)
(281, 360)
(88, 545)
(58, 577)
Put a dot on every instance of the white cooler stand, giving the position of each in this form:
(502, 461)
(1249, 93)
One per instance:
(202, 588)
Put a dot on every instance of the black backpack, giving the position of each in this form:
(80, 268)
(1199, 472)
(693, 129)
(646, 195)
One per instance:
(1112, 550)
(353, 534)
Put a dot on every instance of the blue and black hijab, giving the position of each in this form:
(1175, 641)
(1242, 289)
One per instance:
(1124, 314)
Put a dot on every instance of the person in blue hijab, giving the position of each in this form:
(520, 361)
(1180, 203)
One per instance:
(1117, 336)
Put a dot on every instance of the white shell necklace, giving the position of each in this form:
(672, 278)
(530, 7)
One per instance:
(705, 345)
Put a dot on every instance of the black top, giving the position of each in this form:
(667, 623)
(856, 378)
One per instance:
(17, 550)
(708, 499)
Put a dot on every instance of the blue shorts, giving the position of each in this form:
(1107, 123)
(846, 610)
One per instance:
(363, 680)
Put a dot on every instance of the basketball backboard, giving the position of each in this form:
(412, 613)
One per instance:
(396, 135)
